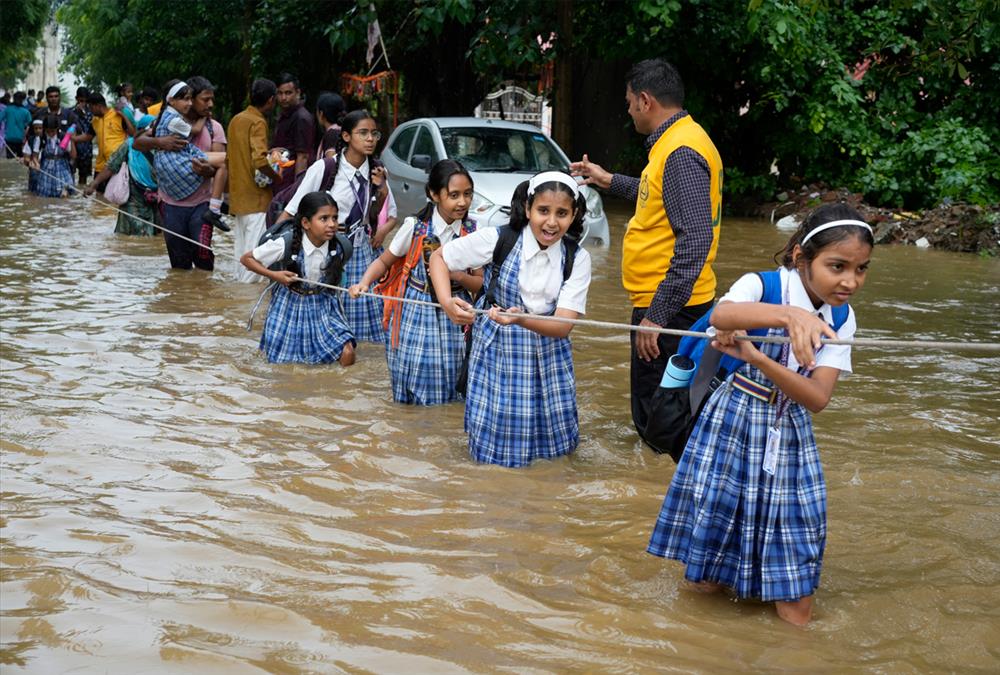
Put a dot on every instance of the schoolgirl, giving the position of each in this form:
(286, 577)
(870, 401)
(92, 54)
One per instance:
(521, 400)
(425, 349)
(55, 178)
(358, 183)
(746, 508)
(31, 152)
(174, 172)
(305, 323)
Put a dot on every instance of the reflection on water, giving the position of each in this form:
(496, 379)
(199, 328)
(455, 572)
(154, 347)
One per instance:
(172, 503)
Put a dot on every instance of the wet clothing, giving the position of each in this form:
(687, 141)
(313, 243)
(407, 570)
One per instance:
(54, 177)
(141, 196)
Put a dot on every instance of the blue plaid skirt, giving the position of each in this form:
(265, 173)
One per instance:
(364, 315)
(521, 401)
(424, 366)
(304, 328)
(53, 178)
(729, 521)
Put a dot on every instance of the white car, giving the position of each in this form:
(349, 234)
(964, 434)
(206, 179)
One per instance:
(499, 155)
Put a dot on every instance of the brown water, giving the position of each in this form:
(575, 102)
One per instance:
(173, 503)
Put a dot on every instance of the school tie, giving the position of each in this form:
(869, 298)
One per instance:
(358, 210)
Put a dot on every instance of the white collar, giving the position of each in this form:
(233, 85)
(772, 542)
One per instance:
(530, 247)
(799, 297)
(349, 169)
(308, 247)
(439, 226)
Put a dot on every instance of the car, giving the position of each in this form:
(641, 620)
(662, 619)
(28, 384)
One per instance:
(498, 155)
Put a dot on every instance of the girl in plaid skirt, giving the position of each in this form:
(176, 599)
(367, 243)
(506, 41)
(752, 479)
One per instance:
(521, 399)
(425, 349)
(305, 323)
(54, 177)
(746, 508)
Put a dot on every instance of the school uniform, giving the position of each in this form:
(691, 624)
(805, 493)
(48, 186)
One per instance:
(305, 324)
(521, 400)
(424, 365)
(724, 516)
(54, 178)
(352, 192)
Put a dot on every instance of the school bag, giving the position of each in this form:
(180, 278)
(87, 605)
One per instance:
(339, 252)
(674, 410)
(330, 166)
(505, 244)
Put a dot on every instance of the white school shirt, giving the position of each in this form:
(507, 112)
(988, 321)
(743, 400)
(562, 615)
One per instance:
(342, 191)
(750, 288)
(272, 251)
(445, 232)
(540, 278)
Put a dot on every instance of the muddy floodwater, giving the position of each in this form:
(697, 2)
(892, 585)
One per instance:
(171, 503)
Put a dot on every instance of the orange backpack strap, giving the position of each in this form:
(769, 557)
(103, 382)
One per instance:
(393, 283)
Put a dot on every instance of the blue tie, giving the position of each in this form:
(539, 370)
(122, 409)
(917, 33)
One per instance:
(361, 199)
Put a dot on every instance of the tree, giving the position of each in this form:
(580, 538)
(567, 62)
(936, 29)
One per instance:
(21, 25)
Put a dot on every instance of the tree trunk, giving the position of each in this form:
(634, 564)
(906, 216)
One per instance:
(562, 127)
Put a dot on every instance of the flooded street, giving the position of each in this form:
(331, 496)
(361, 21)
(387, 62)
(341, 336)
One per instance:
(173, 503)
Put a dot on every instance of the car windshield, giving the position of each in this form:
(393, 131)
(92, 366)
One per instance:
(492, 149)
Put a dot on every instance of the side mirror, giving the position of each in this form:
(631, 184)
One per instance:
(421, 162)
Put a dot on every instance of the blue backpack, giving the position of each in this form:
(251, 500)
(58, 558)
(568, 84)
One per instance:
(670, 418)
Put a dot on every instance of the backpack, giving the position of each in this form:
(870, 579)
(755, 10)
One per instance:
(330, 166)
(340, 251)
(505, 244)
(674, 410)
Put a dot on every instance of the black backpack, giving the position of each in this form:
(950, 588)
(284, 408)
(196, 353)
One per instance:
(505, 244)
(340, 251)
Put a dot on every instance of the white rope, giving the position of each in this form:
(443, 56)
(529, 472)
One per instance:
(610, 325)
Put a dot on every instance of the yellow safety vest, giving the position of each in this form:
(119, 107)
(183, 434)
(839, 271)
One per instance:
(648, 247)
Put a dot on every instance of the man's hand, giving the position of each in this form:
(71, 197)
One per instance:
(594, 173)
(202, 168)
(646, 345)
(169, 143)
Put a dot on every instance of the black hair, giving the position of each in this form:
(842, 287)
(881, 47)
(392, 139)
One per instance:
(331, 105)
(51, 121)
(198, 84)
(821, 215)
(150, 93)
(261, 91)
(122, 87)
(285, 78)
(53, 88)
(438, 179)
(659, 79)
(521, 202)
(186, 89)
(347, 124)
(5, 99)
(82, 92)
(19, 97)
(39, 95)
(31, 92)
(309, 206)
(96, 98)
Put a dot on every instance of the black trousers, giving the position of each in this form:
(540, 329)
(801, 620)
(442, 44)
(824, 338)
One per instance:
(646, 375)
(188, 221)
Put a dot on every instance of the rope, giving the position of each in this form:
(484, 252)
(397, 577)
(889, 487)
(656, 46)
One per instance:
(610, 325)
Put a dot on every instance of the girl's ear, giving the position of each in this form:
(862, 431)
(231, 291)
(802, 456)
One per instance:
(797, 261)
(435, 198)
(345, 136)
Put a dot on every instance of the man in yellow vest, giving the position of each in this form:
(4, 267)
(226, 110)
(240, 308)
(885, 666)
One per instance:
(671, 241)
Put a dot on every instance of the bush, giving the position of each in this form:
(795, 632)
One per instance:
(943, 160)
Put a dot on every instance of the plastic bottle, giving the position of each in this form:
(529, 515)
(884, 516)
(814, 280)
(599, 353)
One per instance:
(678, 373)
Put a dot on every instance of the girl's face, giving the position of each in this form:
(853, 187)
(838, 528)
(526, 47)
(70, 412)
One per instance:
(363, 138)
(51, 133)
(322, 226)
(550, 215)
(453, 200)
(836, 273)
(127, 92)
(182, 103)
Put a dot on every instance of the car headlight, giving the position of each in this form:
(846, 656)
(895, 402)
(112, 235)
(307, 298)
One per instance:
(480, 204)
(595, 206)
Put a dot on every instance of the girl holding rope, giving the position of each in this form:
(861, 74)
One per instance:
(746, 508)
(521, 398)
(425, 349)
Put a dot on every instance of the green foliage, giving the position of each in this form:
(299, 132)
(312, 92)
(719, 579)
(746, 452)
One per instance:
(21, 26)
(945, 159)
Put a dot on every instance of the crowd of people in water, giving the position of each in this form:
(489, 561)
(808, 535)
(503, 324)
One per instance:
(464, 311)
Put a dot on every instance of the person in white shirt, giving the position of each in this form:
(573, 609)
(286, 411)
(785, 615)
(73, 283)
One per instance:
(521, 398)
(305, 322)
(425, 349)
(746, 508)
(361, 190)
